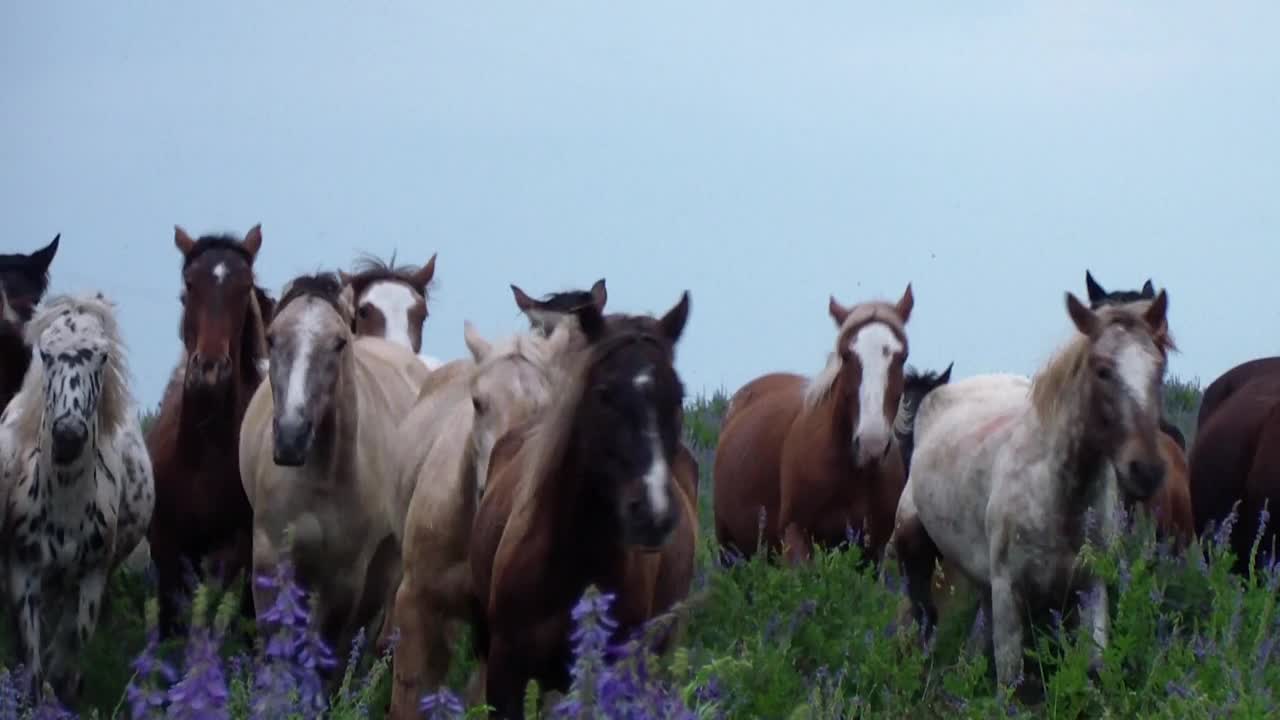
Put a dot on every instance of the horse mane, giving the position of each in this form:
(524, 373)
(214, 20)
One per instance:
(324, 286)
(1051, 385)
(222, 241)
(913, 377)
(370, 269)
(861, 314)
(566, 301)
(115, 406)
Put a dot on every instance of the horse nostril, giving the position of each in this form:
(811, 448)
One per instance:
(635, 509)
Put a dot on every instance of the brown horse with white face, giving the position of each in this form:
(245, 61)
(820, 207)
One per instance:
(391, 300)
(817, 458)
(201, 509)
(589, 489)
(24, 278)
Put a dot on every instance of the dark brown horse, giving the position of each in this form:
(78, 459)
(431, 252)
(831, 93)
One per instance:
(587, 498)
(1171, 504)
(545, 314)
(23, 282)
(817, 458)
(391, 299)
(1236, 458)
(1229, 382)
(201, 509)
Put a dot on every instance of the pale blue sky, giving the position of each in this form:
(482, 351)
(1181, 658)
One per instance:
(761, 154)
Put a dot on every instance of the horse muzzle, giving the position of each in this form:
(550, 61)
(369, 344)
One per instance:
(871, 449)
(69, 438)
(645, 529)
(291, 442)
(208, 373)
(1141, 480)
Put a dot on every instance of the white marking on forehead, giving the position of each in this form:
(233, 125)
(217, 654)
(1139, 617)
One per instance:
(875, 346)
(1136, 368)
(307, 330)
(394, 300)
(658, 476)
(643, 380)
(220, 272)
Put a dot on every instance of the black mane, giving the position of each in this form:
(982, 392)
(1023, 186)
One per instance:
(326, 286)
(566, 301)
(369, 269)
(207, 243)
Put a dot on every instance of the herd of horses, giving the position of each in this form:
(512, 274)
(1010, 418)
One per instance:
(419, 498)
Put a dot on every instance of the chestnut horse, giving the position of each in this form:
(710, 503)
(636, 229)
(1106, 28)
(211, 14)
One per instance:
(201, 509)
(588, 498)
(1004, 481)
(23, 282)
(391, 301)
(1171, 505)
(558, 307)
(817, 458)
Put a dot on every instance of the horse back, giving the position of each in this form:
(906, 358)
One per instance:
(1225, 448)
(748, 462)
(760, 387)
(1226, 385)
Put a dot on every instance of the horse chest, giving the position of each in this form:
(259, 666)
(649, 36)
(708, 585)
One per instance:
(59, 526)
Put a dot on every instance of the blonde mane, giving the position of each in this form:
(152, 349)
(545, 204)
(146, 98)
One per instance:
(862, 314)
(115, 406)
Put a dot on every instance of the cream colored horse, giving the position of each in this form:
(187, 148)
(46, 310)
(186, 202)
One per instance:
(446, 444)
(316, 449)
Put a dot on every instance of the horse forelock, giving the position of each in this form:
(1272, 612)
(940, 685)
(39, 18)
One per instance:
(209, 243)
(115, 405)
(326, 287)
(859, 316)
(370, 270)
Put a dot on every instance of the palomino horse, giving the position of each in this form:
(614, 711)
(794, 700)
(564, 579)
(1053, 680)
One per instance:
(23, 281)
(391, 301)
(817, 458)
(1236, 459)
(79, 478)
(316, 449)
(590, 483)
(201, 508)
(558, 307)
(1171, 505)
(445, 444)
(1008, 484)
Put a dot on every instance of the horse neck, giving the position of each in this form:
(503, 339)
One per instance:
(337, 435)
(830, 423)
(1078, 454)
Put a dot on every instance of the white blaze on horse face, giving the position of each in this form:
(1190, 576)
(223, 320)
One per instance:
(394, 300)
(309, 326)
(220, 272)
(658, 475)
(875, 347)
(1136, 367)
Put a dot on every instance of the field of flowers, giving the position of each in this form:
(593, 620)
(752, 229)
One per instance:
(1188, 640)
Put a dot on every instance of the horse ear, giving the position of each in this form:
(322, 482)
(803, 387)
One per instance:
(672, 324)
(1096, 292)
(905, 304)
(523, 301)
(591, 320)
(1086, 320)
(41, 259)
(478, 346)
(838, 311)
(252, 242)
(1148, 290)
(599, 295)
(182, 240)
(423, 276)
(1157, 314)
(945, 377)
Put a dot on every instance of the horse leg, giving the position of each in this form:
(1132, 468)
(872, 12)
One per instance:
(1006, 630)
(79, 619)
(504, 681)
(917, 556)
(167, 560)
(797, 545)
(25, 596)
(409, 661)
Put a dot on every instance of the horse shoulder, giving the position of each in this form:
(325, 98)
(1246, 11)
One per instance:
(255, 438)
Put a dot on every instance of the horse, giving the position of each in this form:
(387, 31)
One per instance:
(391, 301)
(1226, 385)
(316, 449)
(817, 458)
(584, 495)
(1008, 482)
(916, 384)
(80, 490)
(557, 308)
(24, 279)
(201, 509)
(445, 445)
(1171, 505)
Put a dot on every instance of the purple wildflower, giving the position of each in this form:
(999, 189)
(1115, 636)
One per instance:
(1223, 534)
(51, 709)
(202, 692)
(10, 693)
(1173, 688)
(145, 700)
(443, 705)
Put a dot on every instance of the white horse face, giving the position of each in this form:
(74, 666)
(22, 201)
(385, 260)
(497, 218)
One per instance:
(74, 351)
(392, 310)
(874, 357)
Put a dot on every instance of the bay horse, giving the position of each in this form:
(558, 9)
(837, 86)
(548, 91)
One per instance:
(80, 490)
(1230, 382)
(201, 509)
(817, 458)
(316, 451)
(1008, 484)
(445, 446)
(24, 279)
(588, 497)
(391, 301)
(555, 308)
(1171, 505)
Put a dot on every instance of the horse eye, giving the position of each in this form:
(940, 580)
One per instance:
(1105, 373)
(339, 344)
(363, 311)
(478, 404)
